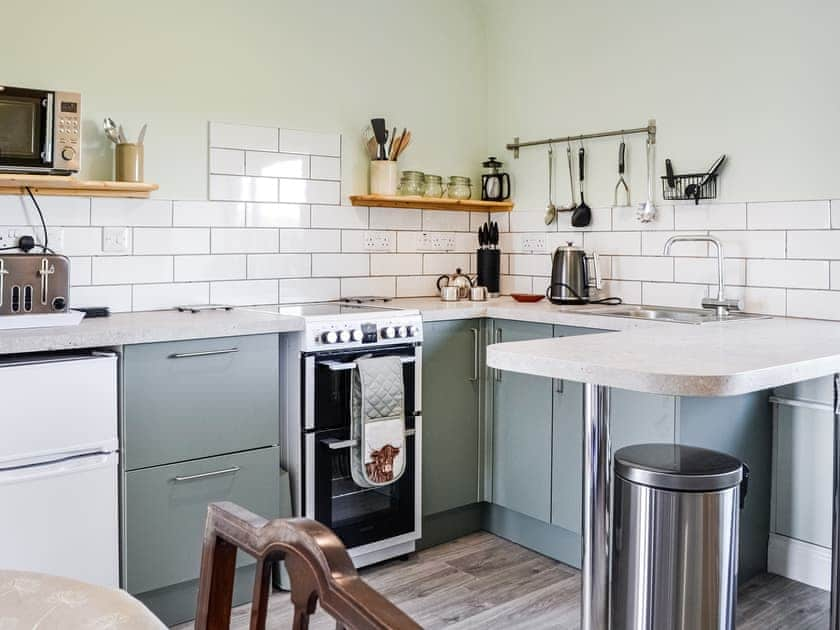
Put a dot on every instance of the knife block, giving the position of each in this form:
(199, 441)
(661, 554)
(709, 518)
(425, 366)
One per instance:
(488, 270)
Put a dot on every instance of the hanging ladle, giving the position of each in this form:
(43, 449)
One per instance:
(551, 209)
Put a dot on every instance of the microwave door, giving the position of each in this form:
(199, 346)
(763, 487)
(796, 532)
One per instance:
(26, 125)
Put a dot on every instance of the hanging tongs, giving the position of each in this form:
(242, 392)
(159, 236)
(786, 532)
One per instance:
(621, 182)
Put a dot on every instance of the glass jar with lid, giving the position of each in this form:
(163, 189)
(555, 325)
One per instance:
(434, 186)
(459, 187)
(412, 183)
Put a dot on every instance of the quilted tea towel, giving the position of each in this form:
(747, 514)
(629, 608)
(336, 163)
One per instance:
(378, 421)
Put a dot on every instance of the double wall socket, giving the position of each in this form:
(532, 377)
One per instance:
(10, 236)
(533, 244)
(430, 241)
(379, 241)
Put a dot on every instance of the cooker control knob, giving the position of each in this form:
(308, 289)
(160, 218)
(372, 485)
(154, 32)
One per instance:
(357, 334)
(68, 153)
(344, 336)
(402, 331)
(412, 331)
(388, 332)
(329, 337)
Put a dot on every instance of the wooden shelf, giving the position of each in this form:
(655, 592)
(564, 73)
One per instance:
(431, 203)
(12, 184)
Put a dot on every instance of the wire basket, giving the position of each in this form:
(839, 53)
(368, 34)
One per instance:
(690, 187)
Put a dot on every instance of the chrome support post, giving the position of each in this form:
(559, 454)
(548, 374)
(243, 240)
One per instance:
(597, 478)
(835, 519)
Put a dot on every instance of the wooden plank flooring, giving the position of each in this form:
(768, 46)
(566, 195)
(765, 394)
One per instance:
(481, 581)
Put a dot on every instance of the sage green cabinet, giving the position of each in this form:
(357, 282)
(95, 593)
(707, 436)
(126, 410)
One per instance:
(452, 368)
(521, 444)
(199, 398)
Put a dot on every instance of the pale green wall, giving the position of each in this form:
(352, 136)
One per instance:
(322, 65)
(754, 79)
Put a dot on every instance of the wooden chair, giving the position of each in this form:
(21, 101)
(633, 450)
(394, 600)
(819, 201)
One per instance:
(318, 564)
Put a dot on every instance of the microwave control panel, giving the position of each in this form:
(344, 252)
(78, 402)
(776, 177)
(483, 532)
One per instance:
(67, 126)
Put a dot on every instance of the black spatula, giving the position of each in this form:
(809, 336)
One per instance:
(582, 216)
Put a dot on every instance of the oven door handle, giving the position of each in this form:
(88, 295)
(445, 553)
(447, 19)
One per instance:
(337, 366)
(337, 445)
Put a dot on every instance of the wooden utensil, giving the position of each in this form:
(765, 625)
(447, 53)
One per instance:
(406, 139)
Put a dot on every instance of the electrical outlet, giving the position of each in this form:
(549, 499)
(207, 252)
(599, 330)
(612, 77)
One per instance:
(115, 240)
(9, 236)
(436, 242)
(533, 244)
(379, 241)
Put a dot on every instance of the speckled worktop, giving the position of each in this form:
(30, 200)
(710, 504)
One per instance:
(129, 328)
(714, 359)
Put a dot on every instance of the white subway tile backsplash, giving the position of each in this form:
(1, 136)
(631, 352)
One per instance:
(620, 243)
(396, 264)
(208, 213)
(672, 294)
(530, 221)
(227, 162)
(18, 210)
(756, 299)
(823, 244)
(752, 244)
(445, 263)
(835, 275)
(263, 164)
(325, 167)
(237, 188)
(601, 221)
(308, 191)
(277, 215)
(340, 265)
(795, 274)
(117, 298)
(243, 240)
(416, 286)
(279, 266)
(149, 297)
(553, 240)
(530, 265)
(356, 240)
(82, 241)
(515, 284)
(232, 136)
(624, 218)
(446, 221)
(354, 287)
(311, 142)
(203, 268)
(309, 290)
(395, 219)
(719, 216)
(132, 269)
(80, 270)
(653, 268)
(244, 292)
(135, 212)
(348, 217)
(171, 240)
(630, 292)
(815, 304)
(653, 244)
(835, 213)
(789, 215)
(704, 270)
(310, 241)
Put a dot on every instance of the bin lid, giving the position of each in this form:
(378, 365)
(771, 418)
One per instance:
(678, 467)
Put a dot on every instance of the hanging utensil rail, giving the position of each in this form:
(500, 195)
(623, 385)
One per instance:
(650, 130)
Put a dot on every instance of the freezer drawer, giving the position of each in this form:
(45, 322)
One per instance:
(57, 405)
(191, 399)
(61, 518)
(166, 507)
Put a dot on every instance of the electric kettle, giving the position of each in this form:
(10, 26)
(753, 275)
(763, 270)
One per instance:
(570, 277)
(495, 186)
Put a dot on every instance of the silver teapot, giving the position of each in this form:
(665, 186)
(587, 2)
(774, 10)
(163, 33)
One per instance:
(459, 280)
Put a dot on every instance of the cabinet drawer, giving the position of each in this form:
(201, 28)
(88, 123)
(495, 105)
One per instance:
(166, 507)
(191, 399)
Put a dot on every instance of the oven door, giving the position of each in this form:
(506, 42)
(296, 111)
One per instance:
(357, 515)
(26, 129)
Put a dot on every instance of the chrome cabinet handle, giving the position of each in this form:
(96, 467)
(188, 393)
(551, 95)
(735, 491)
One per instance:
(215, 473)
(203, 353)
(498, 340)
(559, 385)
(475, 332)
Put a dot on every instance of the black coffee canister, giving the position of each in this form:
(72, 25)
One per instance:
(488, 270)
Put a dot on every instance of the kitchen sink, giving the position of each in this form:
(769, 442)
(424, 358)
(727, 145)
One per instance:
(677, 315)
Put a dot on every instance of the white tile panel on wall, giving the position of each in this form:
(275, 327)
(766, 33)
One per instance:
(704, 270)
(132, 269)
(673, 294)
(279, 266)
(718, 216)
(265, 164)
(311, 142)
(277, 215)
(348, 217)
(208, 213)
(355, 287)
(416, 286)
(18, 210)
(822, 244)
(243, 240)
(752, 244)
(244, 292)
(340, 265)
(325, 167)
(446, 221)
(233, 136)
(310, 241)
(619, 243)
(396, 264)
(309, 290)
(818, 304)
(795, 274)
(148, 297)
(395, 219)
(227, 162)
(239, 188)
(654, 268)
(116, 297)
(171, 240)
(308, 191)
(785, 215)
(653, 244)
(210, 267)
(136, 212)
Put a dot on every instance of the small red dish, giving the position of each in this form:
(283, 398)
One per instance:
(527, 297)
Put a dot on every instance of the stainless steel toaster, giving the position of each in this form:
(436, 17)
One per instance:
(34, 283)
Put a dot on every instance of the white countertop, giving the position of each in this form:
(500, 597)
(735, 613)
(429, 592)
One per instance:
(146, 327)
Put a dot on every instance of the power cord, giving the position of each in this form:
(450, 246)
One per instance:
(27, 243)
(44, 247)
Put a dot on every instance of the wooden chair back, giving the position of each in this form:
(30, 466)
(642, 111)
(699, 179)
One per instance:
(317, 562)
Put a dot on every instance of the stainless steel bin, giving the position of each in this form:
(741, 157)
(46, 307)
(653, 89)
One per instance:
(675, 540)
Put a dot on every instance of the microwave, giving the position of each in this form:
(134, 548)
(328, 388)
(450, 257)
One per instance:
(40, 131)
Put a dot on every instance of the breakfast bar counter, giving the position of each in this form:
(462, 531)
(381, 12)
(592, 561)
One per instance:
(715, 359)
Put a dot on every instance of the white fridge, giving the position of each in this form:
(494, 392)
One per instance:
(58, 465)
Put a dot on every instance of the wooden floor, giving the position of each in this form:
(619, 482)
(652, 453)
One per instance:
(481, 581)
